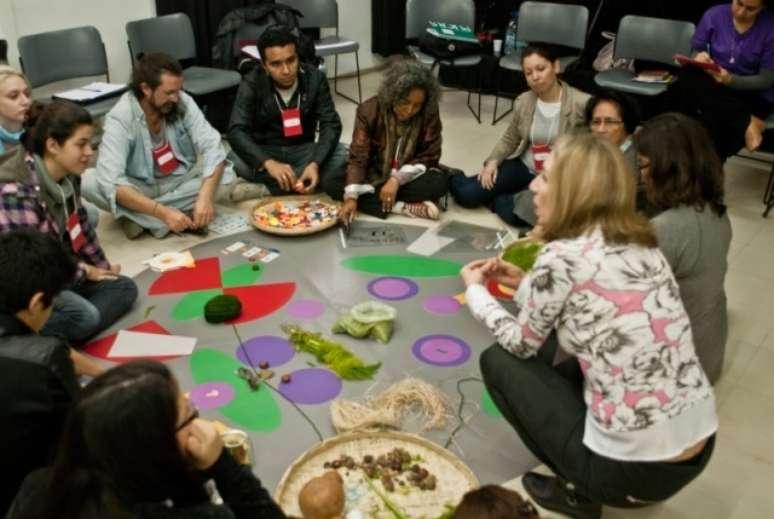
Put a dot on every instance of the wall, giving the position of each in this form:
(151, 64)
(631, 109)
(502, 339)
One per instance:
(108, 16)
(355, 24)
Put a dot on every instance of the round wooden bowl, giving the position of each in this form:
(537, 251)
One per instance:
(300, 230)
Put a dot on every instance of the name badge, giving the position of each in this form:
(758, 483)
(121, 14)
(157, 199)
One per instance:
(540, 153)
(77, 239)
(165, 159)
(291, 122)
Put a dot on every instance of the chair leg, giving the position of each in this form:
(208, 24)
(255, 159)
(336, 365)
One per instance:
(496, 119)
(477, 115)
(357, 73)
(768, 195)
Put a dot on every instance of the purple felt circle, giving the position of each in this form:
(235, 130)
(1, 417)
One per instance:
(305, 309)
(311, 386)
(211, 395)
(441, 350)
(441, 305)
(265, 348)
(392, 288)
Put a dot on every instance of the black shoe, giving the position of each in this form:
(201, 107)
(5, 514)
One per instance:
(554, 494)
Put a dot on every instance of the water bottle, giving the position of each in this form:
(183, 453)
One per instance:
(509, 45)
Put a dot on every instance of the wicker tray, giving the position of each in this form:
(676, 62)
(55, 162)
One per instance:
(454, 478)
(301, 229)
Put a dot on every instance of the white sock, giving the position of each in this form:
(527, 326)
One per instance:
(398, 207)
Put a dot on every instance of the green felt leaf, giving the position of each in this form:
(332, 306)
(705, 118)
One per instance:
(251, 410)
(407, 266)
(191, 306)
(242, 275)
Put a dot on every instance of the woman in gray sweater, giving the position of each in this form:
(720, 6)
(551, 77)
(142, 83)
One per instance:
(683, 179)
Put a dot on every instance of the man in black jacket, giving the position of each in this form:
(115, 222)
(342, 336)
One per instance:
(276, 114)
(37, 378)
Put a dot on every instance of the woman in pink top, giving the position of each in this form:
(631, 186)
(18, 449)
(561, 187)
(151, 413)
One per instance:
(638, 423)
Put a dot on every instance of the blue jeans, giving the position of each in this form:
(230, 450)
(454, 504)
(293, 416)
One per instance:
(89, 308)
(512, 176)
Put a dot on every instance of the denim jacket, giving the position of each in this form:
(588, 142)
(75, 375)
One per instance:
(126, 150)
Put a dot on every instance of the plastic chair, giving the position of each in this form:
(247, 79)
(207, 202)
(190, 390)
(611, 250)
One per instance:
(544, 22)
(173, 34)
(322, 14)
(649, 39)
(768, 146)
(460, 12)
(53, 56)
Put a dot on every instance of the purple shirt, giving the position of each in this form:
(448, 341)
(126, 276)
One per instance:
(741, 54)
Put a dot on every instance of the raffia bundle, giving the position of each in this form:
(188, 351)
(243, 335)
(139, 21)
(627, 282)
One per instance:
(389, 408)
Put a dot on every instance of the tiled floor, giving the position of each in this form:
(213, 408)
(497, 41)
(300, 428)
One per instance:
(739, 480)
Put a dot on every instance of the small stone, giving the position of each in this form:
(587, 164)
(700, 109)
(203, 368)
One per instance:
(256, 266)
(263, 364)
(267, 374)
(285, 378)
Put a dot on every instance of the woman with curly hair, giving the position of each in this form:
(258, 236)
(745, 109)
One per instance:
(396, 145)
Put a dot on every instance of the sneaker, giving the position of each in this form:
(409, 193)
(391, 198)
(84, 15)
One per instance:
(243, 190)
(131, 229)
(424, 209)
(553, 493)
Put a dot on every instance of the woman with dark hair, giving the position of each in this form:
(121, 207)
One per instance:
(615, 116)
(395, 151)
(547, 110)
(733, 100)
(635, 420)
(15, 101)
(40, 189)
(683, 180)
(494, 502)
(134, 447)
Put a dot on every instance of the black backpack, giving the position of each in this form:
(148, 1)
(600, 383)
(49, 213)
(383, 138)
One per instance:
(254, 20)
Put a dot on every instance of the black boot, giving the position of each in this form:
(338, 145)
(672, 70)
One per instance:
(555, 494)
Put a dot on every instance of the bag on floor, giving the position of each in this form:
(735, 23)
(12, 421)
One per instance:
(443, 48)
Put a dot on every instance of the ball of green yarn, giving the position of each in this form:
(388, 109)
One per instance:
(222, 308)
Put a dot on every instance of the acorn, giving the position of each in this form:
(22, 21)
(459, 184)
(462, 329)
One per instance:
(285, 378)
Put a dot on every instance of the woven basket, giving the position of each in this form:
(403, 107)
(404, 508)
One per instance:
(454, 478)
(301, 231)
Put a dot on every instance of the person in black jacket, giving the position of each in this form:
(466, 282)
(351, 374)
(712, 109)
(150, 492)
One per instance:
(37, 377)
(134, 447)
(278, 109)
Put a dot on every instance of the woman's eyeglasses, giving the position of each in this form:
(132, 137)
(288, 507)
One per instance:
(193, 416)
(596, 123)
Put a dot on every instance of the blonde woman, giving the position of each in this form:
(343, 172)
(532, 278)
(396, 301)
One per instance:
(15, 101)
(637, 422)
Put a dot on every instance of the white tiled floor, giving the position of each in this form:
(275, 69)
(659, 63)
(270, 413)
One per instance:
(739, 482)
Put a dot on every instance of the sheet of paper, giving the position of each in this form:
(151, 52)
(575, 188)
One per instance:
(91, 91)
(429, 243)
(139, 344)
(229, 224)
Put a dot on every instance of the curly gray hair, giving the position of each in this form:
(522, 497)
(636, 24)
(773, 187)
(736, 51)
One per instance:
(404, 75)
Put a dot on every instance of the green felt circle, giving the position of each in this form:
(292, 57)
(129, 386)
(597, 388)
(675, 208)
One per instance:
(407, 266)
(488, 405)
(251, 410)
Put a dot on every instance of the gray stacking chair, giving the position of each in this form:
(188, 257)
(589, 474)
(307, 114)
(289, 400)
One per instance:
(53, 56)
(460, 12)
(173, 34)
(649, 39)
(546, 22)
(322, 14)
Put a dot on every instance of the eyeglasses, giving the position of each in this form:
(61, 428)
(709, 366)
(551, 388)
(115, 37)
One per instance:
(596, 123)
(193, 416)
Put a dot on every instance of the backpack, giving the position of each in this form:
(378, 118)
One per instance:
(254, 20)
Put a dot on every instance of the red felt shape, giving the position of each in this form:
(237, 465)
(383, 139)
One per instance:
(495, 291)
(261, 300)
(204, 276)
(100, 348)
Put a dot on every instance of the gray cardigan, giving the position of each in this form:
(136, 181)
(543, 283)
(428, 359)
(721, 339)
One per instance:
(696, 244)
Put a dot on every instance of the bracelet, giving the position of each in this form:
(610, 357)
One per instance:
(155, 206)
